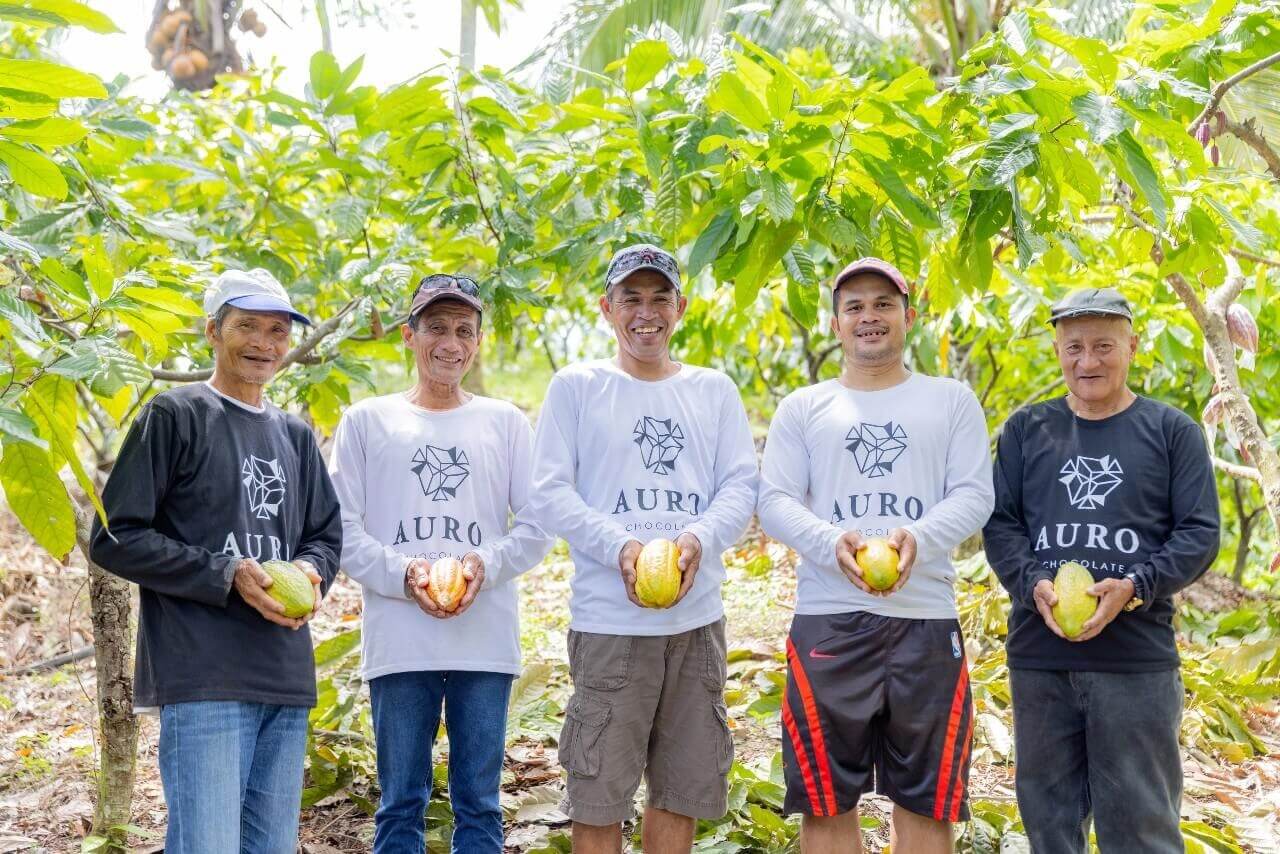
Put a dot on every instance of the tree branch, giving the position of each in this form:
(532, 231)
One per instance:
(1220, 91)
(1248, 133)
(1236, 470)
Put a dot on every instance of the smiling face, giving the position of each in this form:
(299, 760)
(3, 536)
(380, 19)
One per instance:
(1095, 352)
(444, 338)
(871, 320)
(248, 346)
(643, 310)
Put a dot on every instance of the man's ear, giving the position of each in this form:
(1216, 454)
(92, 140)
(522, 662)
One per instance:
(210, 330)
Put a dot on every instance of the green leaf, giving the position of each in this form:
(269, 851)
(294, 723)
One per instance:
(766, 249)
(97, 267)
(59, 13)
(102, 364)
(165, 298)
(667, 209)
(780, 94)
(38, 498)
(1101, 116)
(1003, 159)
(52, 405)
(732, 96)
(17, 425)
(46, 133)
(32, 171)
(1131, 161)
(58, 273)
(21, 318)
(899, 245)
(324, 74)
(644, 61)
(49, 79)
(709, 243)
(25, 105)
(777, 197)
(1249, 235)
(915, 209)
(1094, 56)
(802, 286)
(336, 648)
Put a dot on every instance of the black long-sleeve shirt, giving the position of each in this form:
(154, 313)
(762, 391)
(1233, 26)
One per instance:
(201, 482)
(1132, 493)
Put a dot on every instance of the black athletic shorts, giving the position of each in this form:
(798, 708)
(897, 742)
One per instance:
(866, 692)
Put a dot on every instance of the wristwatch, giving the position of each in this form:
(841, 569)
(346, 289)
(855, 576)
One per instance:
(1135, 601)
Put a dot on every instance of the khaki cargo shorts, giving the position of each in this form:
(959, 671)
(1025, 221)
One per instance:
(651, 706)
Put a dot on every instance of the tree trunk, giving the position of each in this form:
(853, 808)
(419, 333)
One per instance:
(467, 35)
(109, 599)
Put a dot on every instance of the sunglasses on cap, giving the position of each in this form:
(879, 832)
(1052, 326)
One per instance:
(444, 281)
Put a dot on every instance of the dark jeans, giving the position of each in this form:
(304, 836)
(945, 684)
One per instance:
(406, 717)
(1103, 745)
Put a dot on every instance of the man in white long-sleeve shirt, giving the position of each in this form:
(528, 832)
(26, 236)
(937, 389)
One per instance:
(430, 473)
(627, 450)
(877, 689)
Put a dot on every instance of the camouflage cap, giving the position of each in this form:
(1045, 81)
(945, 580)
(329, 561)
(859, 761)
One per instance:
(642, 256)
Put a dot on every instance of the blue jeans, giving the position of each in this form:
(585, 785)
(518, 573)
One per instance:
(406, 718)
(232, 775)
(1100, 744)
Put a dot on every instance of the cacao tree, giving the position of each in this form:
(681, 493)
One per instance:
(1050, 160)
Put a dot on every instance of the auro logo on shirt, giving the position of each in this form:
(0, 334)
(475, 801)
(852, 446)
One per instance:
(440, 472)
(264, 482)
(1089, 480)
(661, 440)
(876, 447)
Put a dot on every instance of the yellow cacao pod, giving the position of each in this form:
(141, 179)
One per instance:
(446, 583)
(658, 574)
(1075, 606)
(879, 563)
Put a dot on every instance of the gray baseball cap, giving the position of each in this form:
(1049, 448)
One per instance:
(1095, 301)
(251, 290)
(642, 256)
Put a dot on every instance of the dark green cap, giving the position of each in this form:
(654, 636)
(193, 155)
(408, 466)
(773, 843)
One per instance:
(1098, 301)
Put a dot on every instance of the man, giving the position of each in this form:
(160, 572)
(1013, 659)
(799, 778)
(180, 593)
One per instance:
(426, 474)
(212, 481)
(877, 688)
(627, 450)
(1123, 485)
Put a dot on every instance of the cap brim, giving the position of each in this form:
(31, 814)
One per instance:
(675, 282)
(435, 295)
(261, 302)
(1085, 312)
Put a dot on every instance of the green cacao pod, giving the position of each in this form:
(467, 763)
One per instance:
(879, 563)
(291, 587)
(658, 574)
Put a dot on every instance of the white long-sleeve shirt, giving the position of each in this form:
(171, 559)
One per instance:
(617, 458)
(914, 456)
(417, 483)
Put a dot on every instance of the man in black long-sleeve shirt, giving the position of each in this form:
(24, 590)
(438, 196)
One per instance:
(211, 481)
(1123, 485)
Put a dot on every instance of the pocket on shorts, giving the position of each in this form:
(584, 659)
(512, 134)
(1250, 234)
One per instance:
(599, 662)
(723, 740)
(584, 722)
(715, 668)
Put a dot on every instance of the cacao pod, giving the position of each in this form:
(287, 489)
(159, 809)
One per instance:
(172, 21)
(1210, 360)
(879, 563)
(182, 68)
(167, 56)
(259, 29)
(1214, 155)
(291, 587)
(158, 42)
(1242, 328)
(1075, 606)
(1202, 134)
(199, 60)
(446, 583)
(1215, 410)
(658, 574)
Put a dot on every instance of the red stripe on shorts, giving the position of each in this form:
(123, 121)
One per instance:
(958, 795)
(802, 756)
(949, 746)
(815, 726)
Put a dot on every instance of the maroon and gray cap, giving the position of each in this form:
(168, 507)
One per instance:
(872, 265)
(442, 286)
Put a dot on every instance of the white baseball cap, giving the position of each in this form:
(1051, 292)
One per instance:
(251, 290)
